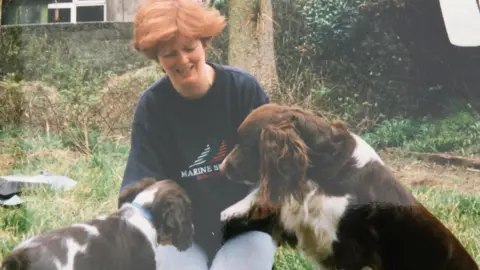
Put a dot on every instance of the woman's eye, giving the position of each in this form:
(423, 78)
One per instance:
(190, 49)
(169, 54)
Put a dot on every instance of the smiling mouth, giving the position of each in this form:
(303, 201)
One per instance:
(183, 71)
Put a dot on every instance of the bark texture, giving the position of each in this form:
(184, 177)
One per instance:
(251, 41)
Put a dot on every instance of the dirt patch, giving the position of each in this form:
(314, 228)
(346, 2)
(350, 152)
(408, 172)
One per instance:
(66, 156)
(6, 161)
(414, 172)
(63, 159)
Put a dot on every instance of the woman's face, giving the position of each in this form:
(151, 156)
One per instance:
(183, 59)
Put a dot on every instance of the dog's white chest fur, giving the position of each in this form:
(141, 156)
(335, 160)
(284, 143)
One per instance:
(315, 222)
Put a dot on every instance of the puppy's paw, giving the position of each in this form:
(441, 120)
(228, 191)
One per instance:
(240, 209)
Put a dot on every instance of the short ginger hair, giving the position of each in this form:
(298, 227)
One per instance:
(158, 21)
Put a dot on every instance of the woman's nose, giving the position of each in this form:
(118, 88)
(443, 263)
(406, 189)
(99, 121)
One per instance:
(183, 57)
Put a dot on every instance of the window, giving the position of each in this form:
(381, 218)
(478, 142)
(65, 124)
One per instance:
(53, 11)
(58, 15)
(24, 12)
(77, 11)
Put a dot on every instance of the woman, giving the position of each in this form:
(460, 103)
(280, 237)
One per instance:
(184, 126)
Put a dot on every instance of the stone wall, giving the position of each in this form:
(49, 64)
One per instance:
(32, 49)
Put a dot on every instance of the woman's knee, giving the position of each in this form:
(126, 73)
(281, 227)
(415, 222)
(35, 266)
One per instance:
(254, 239)
(251, 250)
(169, 258)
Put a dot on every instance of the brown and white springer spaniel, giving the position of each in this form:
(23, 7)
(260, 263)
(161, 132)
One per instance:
(151, 213)
(336, 195)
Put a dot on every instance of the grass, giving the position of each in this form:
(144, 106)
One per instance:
(457, 133)
(99, 176)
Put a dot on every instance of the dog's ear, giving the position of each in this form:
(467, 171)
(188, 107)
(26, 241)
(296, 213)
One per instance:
(325, 139)
(173, 213)
(284, 163)
(128, 194)
(341, 137)
(339, 125)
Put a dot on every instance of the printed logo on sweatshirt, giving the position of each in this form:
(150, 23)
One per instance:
(206, 165)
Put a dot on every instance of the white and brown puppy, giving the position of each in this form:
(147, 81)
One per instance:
(336, 194)
(151, 213)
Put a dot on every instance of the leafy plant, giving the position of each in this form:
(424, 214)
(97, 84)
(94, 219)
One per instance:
(11, 100)
(330, 21)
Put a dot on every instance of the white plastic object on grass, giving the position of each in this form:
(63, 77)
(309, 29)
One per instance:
(14, 184)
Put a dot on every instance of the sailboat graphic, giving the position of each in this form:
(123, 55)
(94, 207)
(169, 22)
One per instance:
(201, 158)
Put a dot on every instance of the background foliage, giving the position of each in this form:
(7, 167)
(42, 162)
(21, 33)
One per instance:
(362, 60)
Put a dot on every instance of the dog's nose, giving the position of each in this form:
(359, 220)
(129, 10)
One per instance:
(222, 167)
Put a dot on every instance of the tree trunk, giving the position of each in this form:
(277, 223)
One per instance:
(0, 12)
(251, 41)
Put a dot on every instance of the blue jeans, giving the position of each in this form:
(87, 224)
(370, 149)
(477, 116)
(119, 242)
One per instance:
(252, 250)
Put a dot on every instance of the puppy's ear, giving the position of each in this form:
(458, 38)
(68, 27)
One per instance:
(284, 163)
(173, 213)
(129, 193)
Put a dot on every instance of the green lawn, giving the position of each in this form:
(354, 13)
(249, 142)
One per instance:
(99, 176)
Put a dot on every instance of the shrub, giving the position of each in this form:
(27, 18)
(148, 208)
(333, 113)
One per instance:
(11, 101)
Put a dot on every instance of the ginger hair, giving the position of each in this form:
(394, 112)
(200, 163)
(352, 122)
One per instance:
(159, 21)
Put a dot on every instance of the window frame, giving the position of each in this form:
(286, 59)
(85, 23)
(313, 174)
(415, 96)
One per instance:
(80, 3)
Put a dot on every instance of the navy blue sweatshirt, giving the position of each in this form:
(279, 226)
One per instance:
(186, 140)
